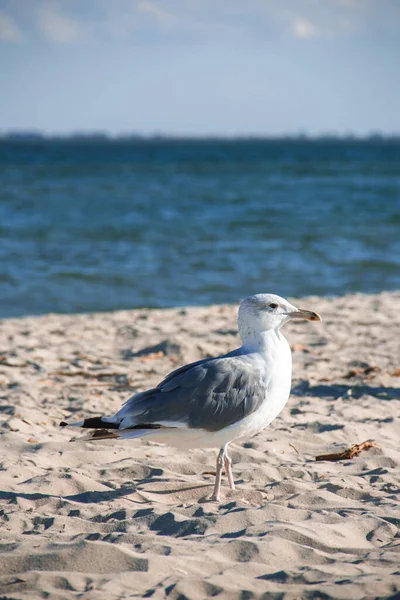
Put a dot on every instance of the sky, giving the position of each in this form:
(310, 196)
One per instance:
(200, 67)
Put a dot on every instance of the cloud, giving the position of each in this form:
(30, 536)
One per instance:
(303, 29)
(58, 27)
(155, 12)
(72, 21)
(9, 31)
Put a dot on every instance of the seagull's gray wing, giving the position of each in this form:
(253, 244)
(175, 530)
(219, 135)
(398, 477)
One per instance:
(210, 394)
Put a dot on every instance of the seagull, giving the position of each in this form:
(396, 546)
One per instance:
(214, 401)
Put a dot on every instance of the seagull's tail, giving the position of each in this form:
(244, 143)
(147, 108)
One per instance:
(107, 428)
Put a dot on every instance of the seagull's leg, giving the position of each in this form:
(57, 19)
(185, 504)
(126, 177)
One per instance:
(218, 474)
(228, 463)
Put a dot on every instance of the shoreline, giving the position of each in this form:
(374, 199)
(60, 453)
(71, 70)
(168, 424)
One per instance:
(139, 309)
(134, 516)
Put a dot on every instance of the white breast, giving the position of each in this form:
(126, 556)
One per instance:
(277, 393)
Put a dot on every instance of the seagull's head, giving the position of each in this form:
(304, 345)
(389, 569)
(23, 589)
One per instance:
(263, 312)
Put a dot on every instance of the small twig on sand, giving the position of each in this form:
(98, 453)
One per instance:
(86, 374)
(294, 448)
(349, 453)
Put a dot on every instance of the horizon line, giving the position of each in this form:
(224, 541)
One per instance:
(97, 135)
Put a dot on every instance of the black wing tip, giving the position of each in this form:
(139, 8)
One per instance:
(98, 423)
(92, 423)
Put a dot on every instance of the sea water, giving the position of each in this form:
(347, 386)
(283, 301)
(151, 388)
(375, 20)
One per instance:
(99, 224)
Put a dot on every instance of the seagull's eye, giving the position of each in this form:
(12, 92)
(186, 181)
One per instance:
(273, 305)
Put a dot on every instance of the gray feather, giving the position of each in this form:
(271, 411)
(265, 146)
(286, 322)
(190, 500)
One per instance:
(210, 394)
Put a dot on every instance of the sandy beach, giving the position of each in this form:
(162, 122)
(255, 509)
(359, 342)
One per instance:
(132, 519)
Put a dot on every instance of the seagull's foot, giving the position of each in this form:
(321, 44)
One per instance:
(215, 498)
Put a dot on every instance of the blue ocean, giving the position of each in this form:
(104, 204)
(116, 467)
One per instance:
(98, 224)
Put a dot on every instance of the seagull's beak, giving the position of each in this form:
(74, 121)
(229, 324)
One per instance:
(307, 315)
